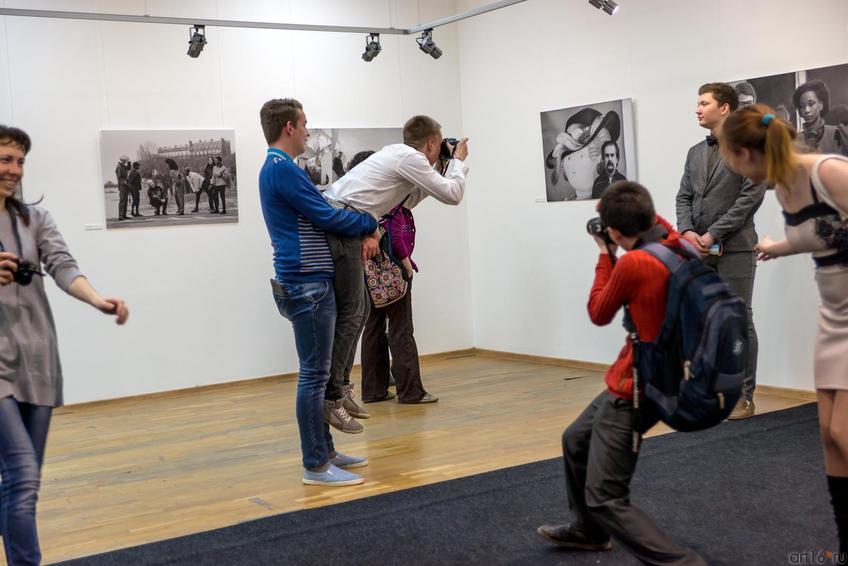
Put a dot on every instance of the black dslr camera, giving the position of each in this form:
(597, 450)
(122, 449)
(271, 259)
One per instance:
(596, 227)
(25, 272)
(447, 149)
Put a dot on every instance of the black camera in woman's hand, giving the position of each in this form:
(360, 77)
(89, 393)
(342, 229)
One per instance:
(25, 272)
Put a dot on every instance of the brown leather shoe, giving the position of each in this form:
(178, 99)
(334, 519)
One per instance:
(744, 409)
(569, 537)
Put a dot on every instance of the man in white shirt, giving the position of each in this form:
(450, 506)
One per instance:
(378, 184)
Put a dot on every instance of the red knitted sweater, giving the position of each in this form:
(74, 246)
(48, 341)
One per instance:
(641, 281)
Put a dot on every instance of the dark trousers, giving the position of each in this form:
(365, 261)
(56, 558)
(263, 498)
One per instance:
(351, 309)
(213, 198)
(179, 197)
(219, 198)
(23, 437)
(135, 194)
(375, 352)
(123, 194)
(203, 189)
(737, 269)
(599, 464)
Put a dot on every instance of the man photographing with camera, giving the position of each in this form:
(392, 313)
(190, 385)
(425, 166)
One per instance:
(598, 448)
(378, 184)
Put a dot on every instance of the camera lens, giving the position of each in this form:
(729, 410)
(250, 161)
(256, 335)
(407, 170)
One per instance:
(25, 272)
(595, 227)
(447, 148)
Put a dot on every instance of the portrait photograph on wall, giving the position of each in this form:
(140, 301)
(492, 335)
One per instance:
(775, 90)
(587, 148)
(330, 153)
(814, 101)
(822, 102)
(168, 177)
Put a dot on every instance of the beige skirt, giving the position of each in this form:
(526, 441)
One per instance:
(831, 360)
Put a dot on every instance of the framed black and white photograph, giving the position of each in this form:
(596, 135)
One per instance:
(587, 148)
(775, 90)
(169, 177)
(330, 153)
(821, 99)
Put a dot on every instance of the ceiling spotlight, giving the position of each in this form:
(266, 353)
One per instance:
(372, 47)
(427, 45)
(197, 40)
(607, 6)
(610, 7)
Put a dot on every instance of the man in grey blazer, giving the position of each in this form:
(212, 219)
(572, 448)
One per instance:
(715, 212)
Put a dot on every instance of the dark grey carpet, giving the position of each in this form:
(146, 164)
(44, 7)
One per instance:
(749, 492)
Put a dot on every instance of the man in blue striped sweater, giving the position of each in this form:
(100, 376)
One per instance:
(298, 218)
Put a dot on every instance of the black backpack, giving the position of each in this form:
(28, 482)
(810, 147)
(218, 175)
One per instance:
(692, 374)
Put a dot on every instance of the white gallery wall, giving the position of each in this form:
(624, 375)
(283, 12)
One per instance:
(200, 301)
(501, 272)
(532, 263)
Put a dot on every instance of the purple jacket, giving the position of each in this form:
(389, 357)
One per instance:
(403, 233)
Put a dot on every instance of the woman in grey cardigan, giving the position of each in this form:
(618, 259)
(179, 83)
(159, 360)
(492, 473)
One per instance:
(30, 372)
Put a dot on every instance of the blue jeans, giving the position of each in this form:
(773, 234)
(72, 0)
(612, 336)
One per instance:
(23, 436)
(311, 308)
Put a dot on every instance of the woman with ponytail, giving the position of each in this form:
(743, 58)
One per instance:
(813, 191)
(30, 372)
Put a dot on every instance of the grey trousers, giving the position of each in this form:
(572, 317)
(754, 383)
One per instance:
(351, 309)
(737, 269)
(599, 464)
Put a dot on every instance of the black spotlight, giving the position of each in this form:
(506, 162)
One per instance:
(610, 7)
(372, 47)
(427, 45)
(197, 40)
(607, 6)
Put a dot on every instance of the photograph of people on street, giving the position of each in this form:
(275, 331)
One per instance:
(168, 178)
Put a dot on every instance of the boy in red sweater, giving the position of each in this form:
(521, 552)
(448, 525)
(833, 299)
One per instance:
(597, 447)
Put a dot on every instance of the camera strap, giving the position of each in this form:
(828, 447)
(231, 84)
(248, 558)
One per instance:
(16, 233)
(633, 336)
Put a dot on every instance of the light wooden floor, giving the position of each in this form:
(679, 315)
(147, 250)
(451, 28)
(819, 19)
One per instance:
(132, 471)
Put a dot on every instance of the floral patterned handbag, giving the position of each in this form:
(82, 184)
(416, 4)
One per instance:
(384, 276)
(384, 279)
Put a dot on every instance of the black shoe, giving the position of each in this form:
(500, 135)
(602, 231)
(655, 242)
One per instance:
(388, 396)
(223, 212)
(427, 398)
(195, 210)
(567, 536)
